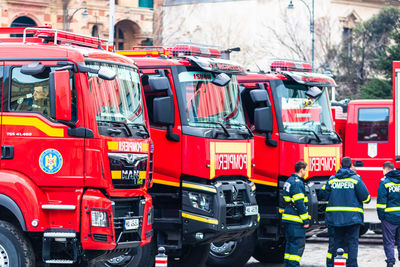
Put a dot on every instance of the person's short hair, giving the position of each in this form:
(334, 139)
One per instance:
(300, 165)
(388, 165)
(346, 162)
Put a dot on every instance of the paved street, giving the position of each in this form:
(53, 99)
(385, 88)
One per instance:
(370, 255)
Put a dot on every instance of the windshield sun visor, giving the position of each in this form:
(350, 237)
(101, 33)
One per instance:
(217, 65)
(310, 79)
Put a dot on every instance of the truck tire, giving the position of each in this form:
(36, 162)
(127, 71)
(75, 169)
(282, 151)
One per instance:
(270, 252)
(191, 257)
(15, 248)
(145, 257)
(232, 253)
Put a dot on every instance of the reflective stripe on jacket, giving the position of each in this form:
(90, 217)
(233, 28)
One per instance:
(345, 193)
(294, 196)
(388, 201)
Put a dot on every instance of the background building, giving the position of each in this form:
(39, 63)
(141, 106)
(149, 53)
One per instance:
(133, 18)
(266, 29)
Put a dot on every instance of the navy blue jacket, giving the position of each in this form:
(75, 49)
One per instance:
(388, 202)
(345, 193)
(294, 194)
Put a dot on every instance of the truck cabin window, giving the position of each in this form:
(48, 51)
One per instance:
(301, 114)
(373, 124)
(30, 93)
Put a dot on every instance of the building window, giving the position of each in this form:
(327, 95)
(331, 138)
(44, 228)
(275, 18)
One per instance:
(23, 22)
(119, 38)
(95, 31)
(347, 40)
(373, 124)
(146, 3)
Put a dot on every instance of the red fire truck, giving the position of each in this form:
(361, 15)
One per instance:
(299, 127)
(75, 151)
(204, 158)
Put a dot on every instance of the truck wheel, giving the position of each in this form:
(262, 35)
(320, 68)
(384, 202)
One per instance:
(232, 253)
(270, 252)
(191, 256)
(15, 248)
(145, 256)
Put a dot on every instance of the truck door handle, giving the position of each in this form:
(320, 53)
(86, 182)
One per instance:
(7, 152)
(358, 163)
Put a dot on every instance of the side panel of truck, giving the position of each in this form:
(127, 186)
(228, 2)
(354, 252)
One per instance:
(167, 171)
(369, 142)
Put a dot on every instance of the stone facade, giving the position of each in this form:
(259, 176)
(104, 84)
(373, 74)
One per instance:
(133, 24)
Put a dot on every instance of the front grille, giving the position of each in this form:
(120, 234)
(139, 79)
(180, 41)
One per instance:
(125, 209)
(235, 196)
(128, 170)
(100, 237)
(234, 214)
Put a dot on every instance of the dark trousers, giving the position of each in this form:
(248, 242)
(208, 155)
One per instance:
(295, 243)
(331, 247)
(391, 233)
(347, 236)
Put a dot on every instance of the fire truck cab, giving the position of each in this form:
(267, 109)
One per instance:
(299, 127)
(204, 150)
(75, 148)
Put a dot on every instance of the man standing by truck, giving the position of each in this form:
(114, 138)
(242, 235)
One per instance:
(346, 193)
(388, 206)
(295, 215)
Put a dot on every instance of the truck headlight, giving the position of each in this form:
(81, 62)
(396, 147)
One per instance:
(99, 218)
(200, 201)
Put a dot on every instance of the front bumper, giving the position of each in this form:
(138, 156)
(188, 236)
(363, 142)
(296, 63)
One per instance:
(226, 220)
(119, 210)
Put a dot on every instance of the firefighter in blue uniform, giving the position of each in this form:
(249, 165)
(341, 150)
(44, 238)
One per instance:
(295, 216)
(331, 231)
(346, 193)
(388, 207)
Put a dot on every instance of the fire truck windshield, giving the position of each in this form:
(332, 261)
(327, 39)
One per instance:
(207, 105)
(118, 101)
(301, 114)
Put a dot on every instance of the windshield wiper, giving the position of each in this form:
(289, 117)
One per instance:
(216, 123)
(336, 134)
(140, 133)
(245, 125)
(313, 132)
(118, 123)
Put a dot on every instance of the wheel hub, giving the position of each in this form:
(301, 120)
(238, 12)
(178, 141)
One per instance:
(223, 249)
(4, 261)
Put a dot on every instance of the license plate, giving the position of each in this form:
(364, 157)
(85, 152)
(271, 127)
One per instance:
(251, 210)
(131, 224)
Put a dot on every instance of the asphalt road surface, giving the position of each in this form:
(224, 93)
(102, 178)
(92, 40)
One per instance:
(370, 253)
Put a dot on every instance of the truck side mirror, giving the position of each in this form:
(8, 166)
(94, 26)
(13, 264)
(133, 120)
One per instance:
(263, 119)
(106, 74)
(259, 96)
(60, 95)
(158, 83)
(221, 80)
(163, 113)
(313, 92)
(263, 122)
